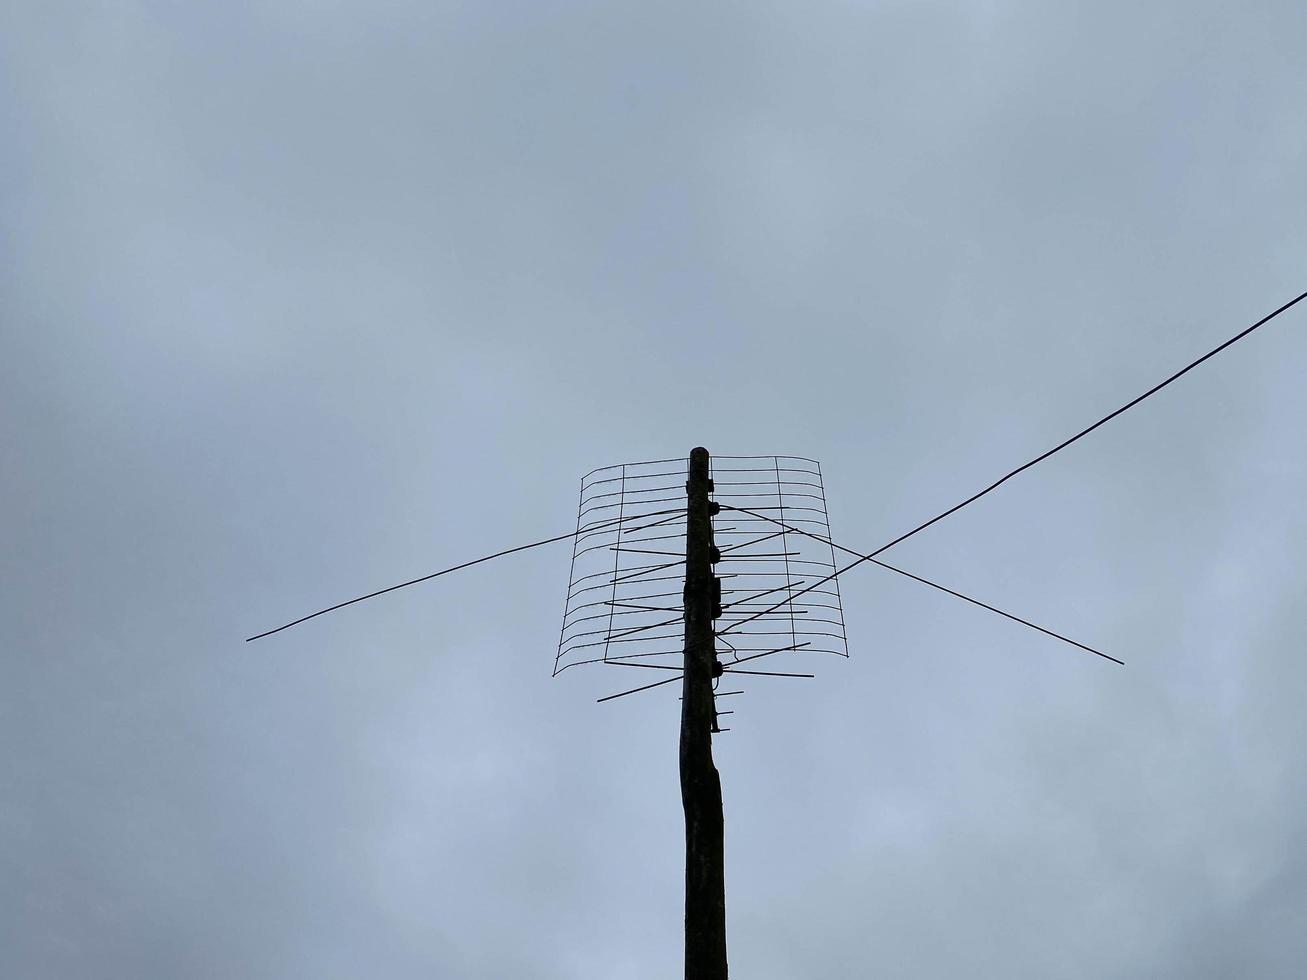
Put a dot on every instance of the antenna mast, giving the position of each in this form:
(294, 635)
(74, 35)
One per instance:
(701, 786)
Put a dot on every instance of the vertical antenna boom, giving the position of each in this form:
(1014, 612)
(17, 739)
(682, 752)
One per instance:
(701, 787)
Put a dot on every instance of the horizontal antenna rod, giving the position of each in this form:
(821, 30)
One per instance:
(446, 571)
(933, 585)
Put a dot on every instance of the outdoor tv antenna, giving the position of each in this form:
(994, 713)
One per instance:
(655, 585)
(622, 609)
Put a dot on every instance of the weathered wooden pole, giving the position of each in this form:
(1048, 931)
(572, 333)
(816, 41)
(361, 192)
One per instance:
(701, 787)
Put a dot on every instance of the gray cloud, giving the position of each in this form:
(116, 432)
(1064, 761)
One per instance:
(301, 299)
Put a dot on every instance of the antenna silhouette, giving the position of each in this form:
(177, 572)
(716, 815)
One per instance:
(739, 554)
(648, 588)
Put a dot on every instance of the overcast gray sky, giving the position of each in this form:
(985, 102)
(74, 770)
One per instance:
(301, 299)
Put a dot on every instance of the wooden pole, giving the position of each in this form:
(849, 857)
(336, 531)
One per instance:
(701, 787)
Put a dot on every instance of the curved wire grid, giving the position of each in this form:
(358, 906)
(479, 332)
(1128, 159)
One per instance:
(624, 601)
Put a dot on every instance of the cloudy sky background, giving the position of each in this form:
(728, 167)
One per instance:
(301, 299)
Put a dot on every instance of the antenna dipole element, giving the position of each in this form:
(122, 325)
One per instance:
(701, 786)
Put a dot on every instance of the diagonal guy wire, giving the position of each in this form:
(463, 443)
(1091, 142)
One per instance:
(1043, 456)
